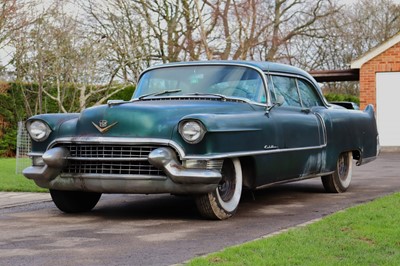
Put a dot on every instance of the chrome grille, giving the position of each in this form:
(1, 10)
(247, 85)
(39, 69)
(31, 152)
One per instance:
(111, 168)
(109, 159)
(108, 151)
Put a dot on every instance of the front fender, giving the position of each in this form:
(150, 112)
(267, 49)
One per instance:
(227, 133)
(228, 122)
(55, 121)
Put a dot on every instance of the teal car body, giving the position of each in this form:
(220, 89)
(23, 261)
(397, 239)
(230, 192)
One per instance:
(207, 129)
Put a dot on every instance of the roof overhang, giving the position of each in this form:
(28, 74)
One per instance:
(336, 75)
(376, 51)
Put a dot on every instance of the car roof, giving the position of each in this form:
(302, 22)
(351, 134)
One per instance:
(263, 66)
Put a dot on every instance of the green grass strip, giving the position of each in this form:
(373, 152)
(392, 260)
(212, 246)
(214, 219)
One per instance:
(368, 234)
(10, 181)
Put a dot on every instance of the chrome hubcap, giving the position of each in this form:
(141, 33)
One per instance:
(343, 167)
(226, 187)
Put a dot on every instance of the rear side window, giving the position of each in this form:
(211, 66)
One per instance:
(309, 96)
(291, 91)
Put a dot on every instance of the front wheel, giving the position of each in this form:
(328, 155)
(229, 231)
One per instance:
(339, 181)
(222, 203)
(74, 201)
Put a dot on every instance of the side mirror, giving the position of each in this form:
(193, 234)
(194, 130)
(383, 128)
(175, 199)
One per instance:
(279, 101)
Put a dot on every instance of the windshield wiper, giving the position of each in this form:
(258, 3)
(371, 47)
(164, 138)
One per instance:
(223, 97)
(119, 102)
(159, 93)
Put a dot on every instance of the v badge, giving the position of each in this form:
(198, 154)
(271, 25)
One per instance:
(103, 128)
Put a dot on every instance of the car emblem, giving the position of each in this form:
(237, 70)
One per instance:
(102, 127)
(103, 123)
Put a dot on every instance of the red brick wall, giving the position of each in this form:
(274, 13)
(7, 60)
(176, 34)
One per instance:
(388, 61)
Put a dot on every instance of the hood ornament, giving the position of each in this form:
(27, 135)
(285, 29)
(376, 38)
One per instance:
(103, 126)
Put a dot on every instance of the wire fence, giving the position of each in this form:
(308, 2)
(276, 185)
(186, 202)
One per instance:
(23, 148)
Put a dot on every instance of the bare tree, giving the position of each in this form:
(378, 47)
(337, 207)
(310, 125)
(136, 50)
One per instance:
(13, 17)
(67, 63)
(122, 34)
(174, 27)
(233, 28)
(261, 30)
(372, 22)
(10, 19)
(294, 19)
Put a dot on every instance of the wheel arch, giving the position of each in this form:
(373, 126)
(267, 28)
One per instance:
(248, 172)
(357, 155)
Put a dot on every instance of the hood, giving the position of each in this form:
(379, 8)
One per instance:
(146, 119)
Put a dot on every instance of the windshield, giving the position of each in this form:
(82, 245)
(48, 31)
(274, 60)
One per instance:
(229, 81)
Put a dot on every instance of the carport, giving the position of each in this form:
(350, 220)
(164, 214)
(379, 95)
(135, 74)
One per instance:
(378, 71)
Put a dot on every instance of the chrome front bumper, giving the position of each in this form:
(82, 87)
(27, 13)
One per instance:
(178, 179)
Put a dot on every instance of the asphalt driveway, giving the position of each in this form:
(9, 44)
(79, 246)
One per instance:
(164, 229)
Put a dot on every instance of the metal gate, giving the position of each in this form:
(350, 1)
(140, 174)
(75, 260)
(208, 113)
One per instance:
(23, 148)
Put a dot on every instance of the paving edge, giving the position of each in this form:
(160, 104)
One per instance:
(260, 238)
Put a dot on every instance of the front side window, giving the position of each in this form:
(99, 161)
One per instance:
(230, 81)
(284, 89)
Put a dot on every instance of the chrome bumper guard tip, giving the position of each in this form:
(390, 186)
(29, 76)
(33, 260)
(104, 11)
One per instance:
(165, 159)
(55, 159)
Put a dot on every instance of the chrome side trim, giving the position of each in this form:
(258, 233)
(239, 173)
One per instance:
(294, 179)
(251, 153)
(325, 135)
(176, 146)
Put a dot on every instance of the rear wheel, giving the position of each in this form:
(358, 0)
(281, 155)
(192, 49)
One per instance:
(222, 203)
(74, 201)
(339, 181)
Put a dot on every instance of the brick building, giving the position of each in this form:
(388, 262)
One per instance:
(379, 71)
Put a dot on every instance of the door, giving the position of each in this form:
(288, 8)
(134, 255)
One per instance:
(387, 98)
(301, 130)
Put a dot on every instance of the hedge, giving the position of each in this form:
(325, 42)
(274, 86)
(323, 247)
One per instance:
(15, 107)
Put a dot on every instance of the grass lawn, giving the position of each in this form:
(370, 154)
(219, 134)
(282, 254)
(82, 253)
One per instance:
(10, 181)
(368, 234)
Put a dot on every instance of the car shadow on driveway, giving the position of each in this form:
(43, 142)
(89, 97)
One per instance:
(165, 206)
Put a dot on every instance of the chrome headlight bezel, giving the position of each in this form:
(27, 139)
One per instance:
(38, 130)
(192, 131)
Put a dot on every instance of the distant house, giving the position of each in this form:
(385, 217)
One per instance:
(379, 71)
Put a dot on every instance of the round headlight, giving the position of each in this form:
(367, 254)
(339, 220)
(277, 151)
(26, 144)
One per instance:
(38, 130)
(192, 131)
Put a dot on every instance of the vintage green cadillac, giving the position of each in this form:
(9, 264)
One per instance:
(207, 129)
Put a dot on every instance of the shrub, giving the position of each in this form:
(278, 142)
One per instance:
(333, 97)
